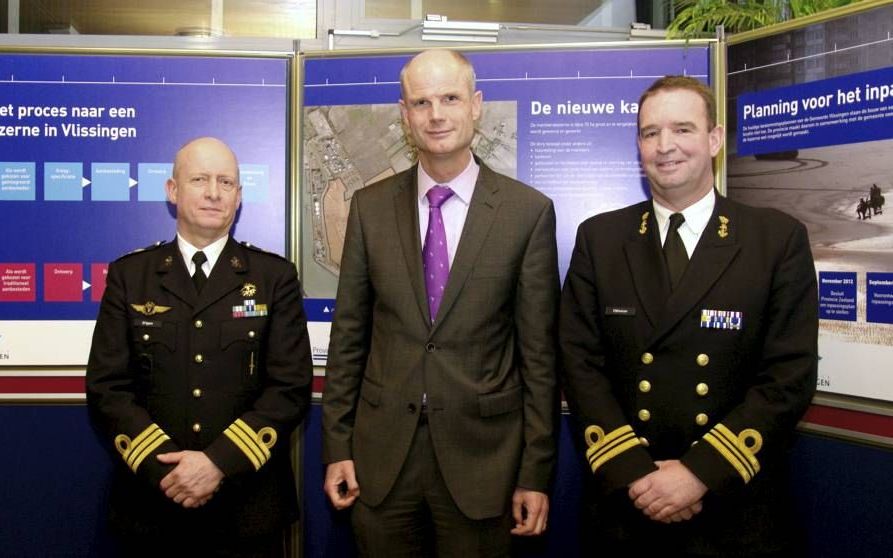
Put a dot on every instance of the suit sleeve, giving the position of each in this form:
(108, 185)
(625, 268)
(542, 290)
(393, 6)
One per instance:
(536, 306)
(114, 393)
(246, 445)
(781, 389)
(613, 450)
(348, 343)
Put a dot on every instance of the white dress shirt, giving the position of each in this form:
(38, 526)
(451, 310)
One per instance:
(454, 210)
(212, 252)
(697, 215)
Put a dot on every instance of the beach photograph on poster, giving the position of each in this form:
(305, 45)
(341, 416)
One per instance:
(810, 134)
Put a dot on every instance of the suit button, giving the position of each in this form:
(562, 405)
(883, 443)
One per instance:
(196, 393)
(198, 324)
(644, 386)
(146, 337)
(701, 419)
(411, 408)
(702, 359)
(644, 441)
(196, 428)
(647, 358)
(199, 358)
(702, 389)
(644, 415)
(430, 347)
(251, 334)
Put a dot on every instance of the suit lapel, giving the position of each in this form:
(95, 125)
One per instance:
(715, 251)
(227, 275)
(481, 213)
(406, 208)
(645, 259)
(175, 277)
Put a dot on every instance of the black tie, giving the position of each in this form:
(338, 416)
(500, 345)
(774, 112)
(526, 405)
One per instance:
(199, 278)
(674, 250)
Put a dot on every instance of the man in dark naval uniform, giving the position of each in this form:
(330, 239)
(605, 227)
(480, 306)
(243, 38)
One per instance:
(199, 372)
(688, 331)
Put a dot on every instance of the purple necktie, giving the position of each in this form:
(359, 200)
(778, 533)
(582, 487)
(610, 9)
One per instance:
(434, 255)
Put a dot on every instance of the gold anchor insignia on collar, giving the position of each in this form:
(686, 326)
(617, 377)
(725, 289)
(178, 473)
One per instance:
(723, 230)
(150, 308)
(248, 289)
(643, 227)
(235, 262)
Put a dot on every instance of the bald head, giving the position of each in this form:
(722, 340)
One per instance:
(440, 107)
(448, 60)
(203, 145)
(205, 188)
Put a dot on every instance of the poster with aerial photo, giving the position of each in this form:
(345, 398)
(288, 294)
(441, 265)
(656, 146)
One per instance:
(811, 133)
(561, 120)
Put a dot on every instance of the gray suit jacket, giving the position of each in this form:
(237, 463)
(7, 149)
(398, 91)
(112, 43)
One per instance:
(487, 363)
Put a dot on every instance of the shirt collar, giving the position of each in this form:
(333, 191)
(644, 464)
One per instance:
(462, 186)
(697, 215)
(212, 251)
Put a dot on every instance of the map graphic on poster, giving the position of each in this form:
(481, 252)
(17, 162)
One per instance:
(562, 121)
(87, 144)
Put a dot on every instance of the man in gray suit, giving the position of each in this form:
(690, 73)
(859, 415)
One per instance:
(440, 401)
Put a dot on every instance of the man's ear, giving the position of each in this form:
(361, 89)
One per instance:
(171, 188)
(716, 137)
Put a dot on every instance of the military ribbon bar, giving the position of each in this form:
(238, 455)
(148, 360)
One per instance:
(722, 319)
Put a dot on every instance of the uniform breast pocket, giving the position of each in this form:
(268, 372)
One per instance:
(241, 355)
(154, 348)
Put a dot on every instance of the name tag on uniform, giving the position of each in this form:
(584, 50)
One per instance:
(620, 311)
(146, 323)
(722, 319)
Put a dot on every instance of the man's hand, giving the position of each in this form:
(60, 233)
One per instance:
(672, 493)
(194, 479)
(685, 514)
(531, 511)
(341, 484)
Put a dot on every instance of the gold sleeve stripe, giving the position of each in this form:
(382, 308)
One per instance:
(256, 447)
(603, 448)
(147, 441)
(147, 451)
(234, 438)
(740, 443)
(246, 443)
(254, 437)
(739, 450)
(149, 431)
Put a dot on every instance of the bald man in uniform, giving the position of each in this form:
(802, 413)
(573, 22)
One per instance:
(198, 374)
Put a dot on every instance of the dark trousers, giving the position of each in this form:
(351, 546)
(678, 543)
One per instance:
(270, 546)
(613, 527)
(419, 518)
